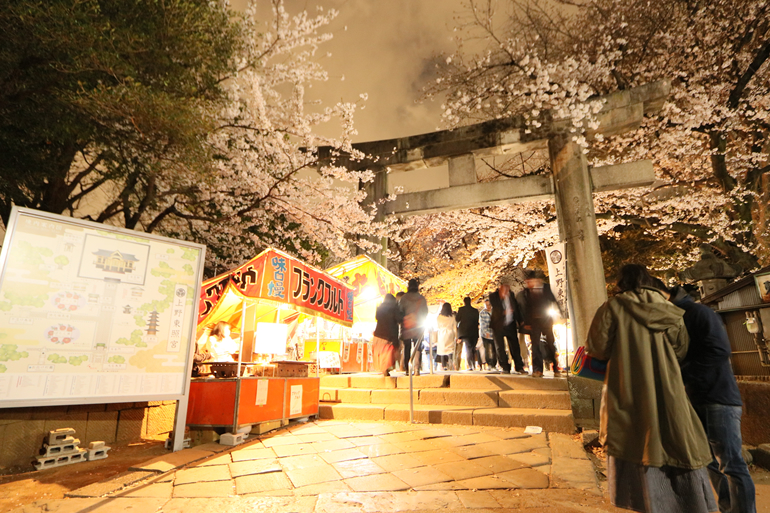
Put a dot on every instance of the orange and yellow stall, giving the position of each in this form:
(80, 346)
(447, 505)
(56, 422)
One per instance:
(274, 302)
(370, 282)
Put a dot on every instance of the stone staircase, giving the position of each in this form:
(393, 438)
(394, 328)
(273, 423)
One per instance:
(451, 398)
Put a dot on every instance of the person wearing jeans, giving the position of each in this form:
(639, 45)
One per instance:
(710, 383)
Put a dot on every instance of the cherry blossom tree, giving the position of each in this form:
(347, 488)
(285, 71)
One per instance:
(709, 144)
(180, 118)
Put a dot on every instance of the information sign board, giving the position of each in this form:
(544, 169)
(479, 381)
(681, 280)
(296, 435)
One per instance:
(91, 313)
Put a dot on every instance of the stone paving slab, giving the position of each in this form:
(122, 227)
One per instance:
(422, 476)
(222, 459)
(378, 483)
(461, 467)
(262, 483)
(201, 474)
(208, 489)
(313, 475)
(252, 454)
(172, 460)
(354, 468)
(246, 468)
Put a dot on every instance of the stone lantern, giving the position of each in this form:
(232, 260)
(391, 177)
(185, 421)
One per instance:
(710, 273)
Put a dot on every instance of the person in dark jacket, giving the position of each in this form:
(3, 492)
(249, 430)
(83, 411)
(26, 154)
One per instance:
(505, 317)
(535, 302)
(385, 342)
(468, 331)
(710, 384)
(414, 310)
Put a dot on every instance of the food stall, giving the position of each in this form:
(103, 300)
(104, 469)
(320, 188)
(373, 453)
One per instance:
(370, 282)
(265, 300)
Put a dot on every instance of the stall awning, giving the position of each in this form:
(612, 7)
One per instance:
(276, 280)
(370, 282)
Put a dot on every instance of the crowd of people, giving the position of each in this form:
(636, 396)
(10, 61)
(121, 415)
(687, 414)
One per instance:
(670, 407)
(486, 338)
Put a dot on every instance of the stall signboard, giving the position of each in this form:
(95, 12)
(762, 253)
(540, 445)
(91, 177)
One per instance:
(94, 314)
(278, 278)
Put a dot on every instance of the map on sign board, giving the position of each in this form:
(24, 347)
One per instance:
(93, 312)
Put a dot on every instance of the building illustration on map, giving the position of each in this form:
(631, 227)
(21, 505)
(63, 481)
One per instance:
(114, 261)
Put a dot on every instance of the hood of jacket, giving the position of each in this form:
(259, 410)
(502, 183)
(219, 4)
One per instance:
(650, 309)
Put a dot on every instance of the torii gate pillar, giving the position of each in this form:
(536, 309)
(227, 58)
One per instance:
(577, 228)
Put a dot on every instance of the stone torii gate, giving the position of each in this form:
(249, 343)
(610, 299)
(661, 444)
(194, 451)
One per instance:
(571, 184)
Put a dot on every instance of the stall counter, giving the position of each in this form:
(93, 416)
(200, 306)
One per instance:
(238, 402)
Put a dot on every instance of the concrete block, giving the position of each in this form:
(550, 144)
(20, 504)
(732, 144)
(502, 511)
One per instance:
(52, 451)
(102, 425)
(59, 461)
(448, 396)
(96, 445)
(396, 396)
(232, 438)
(76, 421)
(551, 399)
(60, 436)
(98, 453)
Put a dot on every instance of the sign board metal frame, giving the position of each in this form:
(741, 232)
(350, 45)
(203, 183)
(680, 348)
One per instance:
(187, 325)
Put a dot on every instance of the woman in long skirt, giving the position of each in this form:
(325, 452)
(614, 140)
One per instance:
(657, 449)
(385, 339)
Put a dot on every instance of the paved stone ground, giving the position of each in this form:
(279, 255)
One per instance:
(341, 466)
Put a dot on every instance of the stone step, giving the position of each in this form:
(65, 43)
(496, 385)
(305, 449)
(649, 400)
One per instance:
(558, 421)
(375, 381)
(505, 382)
(536, 399)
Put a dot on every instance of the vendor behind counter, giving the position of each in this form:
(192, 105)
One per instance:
(216, 345)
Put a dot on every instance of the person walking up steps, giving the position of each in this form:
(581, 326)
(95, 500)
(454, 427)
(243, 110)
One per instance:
(505, 317)
(487, 337)
(468, 331)
(414, 310)
(536, 301)
(447, 336)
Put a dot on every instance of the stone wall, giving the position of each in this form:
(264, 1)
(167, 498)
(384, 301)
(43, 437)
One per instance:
(22, 430)
(755, 427)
